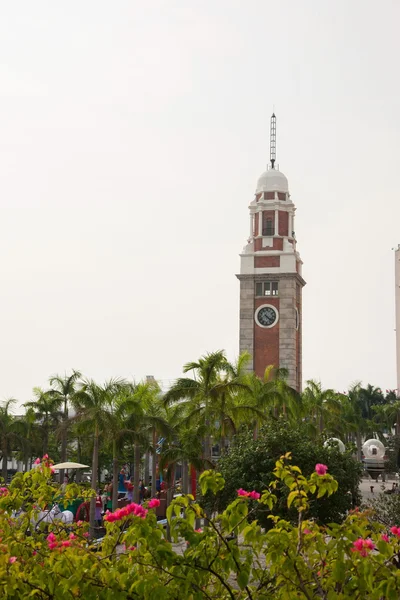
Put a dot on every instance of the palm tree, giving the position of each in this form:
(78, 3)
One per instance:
(8, 433)
(183, 447)
(271, 396)
(144, 418)
(47, 412)
(63, 388)
(198, 394)
(321, 407)
(92, 403)
(28, 431)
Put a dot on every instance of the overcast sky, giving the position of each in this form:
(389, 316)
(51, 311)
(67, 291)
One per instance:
(132, 135)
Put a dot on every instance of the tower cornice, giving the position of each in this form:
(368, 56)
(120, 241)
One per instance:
(260, 277)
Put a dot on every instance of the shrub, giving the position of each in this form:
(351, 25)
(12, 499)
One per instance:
(384, 508)
(135, 561)
(250, 464)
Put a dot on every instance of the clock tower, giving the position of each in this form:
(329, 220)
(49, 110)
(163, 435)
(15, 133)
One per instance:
(271, 278)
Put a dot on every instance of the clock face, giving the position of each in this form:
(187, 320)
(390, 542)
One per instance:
(266, 316)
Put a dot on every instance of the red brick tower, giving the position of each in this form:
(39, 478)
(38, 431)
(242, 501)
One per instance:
(270, 278)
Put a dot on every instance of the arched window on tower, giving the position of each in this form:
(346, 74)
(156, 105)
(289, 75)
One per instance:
(268, 227)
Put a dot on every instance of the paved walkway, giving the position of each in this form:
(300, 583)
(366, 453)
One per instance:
(378, 488)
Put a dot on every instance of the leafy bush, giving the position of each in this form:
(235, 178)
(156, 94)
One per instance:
(250, 464)
(384, 508)
(135, 560)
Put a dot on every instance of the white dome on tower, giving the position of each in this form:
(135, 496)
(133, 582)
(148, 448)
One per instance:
(272, 181)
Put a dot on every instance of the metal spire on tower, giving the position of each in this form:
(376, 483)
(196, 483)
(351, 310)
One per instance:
(272, 143)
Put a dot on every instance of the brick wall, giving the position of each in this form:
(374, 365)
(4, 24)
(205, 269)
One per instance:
(283, 223)
(261, 262)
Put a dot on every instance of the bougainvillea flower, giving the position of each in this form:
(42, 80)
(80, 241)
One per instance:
(37, 461)
(306, 531)
(363, 546)
(242, 492)
(154, 503)
(395, 531)
(254, 495)
(384, 537)
(45, 457)
(321, 469)
(12, 559)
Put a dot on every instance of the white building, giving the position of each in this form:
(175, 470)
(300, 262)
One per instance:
(397, 296)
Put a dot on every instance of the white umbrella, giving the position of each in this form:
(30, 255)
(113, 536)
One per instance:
(70, 465)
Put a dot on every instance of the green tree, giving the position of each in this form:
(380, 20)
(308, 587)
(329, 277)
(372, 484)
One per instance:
(204, 398)
(144, 419)
(271, 397)
(8, 433)
(250, 464)
(92, 403)
(321, 408)
(63, 388)
(48, 414)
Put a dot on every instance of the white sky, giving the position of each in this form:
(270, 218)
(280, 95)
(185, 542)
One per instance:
(132, 135)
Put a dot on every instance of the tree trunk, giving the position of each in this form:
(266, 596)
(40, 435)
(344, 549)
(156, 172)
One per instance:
(398, 423)
(136, 475)
(154, 466)
(359, 446)
(207, 448)
(146, 468)
(255, 430)
(4, 462)
(95, 463)
(115, 478)
(64, 439)
(185, 477)
(79, 453)
(46, 439)
(171, 485)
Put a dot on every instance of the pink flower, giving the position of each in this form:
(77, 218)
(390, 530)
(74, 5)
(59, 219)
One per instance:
(51, 538)
(3, 491)
(34, 553)
(52, 469)
(384, 537)
(363, 546)
(12, 559)
(254, 495)
(395, 531)
(132, 548)
(320, 469)
(306, 531)
(37, 461)
(45, 457)
(72, 536)
(154, 503)
(79, 523)
(52, 545)
(199, 530)
(242, 492)
(86, 534)
(66, 543)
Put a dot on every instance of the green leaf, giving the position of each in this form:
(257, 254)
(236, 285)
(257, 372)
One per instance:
(243, 579)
